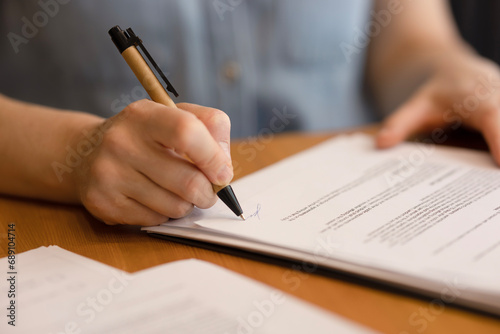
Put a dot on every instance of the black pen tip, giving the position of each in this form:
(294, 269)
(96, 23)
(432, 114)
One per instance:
(227, 195)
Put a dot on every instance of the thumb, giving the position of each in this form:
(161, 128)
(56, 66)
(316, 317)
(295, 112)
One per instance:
(415, 115)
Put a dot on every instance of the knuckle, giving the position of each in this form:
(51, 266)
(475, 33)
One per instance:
(209, 199)
(192, 186)
(198, 190)
(96, 195)
(187, 125)
(115, 142)
(93, 201)
(181, 209)
(220, 116)
(137, 111)
(213, 163)
(219, 120)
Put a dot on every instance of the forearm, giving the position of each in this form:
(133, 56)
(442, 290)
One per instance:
(420, 39)
(35, 146)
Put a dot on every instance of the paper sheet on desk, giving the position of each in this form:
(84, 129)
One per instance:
(425, 211)
(61, 292)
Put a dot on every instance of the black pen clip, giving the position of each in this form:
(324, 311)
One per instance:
(125, 39)
(135, 40)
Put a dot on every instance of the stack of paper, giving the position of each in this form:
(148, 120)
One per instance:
(420, 217)
(61, 292)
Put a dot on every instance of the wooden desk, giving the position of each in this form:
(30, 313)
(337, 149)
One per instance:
(42, 224)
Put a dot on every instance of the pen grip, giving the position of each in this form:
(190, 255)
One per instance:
(146, 77)
(152, 85)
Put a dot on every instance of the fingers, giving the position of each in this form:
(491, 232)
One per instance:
(114, 208)
(422, 113)
(169, 171)
(156, 198)
(418, 114)
(118, 194)
(216, 121)
(186, 134)
(138, 174)
(131, 212)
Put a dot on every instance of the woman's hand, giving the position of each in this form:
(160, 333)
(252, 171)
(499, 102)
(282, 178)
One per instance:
(464, 90)
(151, 163)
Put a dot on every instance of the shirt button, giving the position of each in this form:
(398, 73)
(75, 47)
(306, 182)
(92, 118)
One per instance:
(231, 71)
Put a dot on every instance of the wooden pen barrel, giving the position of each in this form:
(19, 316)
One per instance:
(146, 76)
(151, 84)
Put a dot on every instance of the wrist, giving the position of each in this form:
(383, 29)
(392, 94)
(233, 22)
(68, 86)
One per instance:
(81, 135)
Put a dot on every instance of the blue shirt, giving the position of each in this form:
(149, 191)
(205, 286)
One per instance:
(270, 65)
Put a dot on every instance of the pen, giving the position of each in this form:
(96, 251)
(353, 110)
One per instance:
(127, 43)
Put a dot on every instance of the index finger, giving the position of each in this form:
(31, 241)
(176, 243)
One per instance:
(187, 135)
(216, 121)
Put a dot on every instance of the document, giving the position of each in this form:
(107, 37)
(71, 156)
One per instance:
(61, 292)
(418, 216)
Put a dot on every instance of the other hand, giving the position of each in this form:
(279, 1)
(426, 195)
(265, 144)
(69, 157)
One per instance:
(464, 90)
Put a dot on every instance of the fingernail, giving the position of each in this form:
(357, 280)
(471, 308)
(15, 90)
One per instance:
(225, 148)
(225, 175)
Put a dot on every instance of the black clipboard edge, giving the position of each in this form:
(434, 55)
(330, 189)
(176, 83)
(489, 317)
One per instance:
(320, 270)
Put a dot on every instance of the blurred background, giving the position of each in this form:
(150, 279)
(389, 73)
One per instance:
(256, 62)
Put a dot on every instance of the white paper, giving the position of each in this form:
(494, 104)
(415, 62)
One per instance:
(429, 214)
(61, 292)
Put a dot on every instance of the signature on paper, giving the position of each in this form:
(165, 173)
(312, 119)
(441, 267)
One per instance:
(256, 213)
